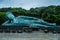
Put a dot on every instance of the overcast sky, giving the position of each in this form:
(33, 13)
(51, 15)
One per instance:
(27, 4)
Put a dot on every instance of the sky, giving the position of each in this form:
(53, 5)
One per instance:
(27, 4)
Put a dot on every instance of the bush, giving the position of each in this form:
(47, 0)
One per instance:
(2, 17)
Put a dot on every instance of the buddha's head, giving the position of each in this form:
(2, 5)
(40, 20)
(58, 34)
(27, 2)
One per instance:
(10, 16)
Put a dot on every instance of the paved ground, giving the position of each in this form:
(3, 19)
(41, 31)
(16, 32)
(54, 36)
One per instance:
(29, 36)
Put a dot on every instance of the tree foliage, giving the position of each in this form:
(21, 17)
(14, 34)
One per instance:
(49, 14)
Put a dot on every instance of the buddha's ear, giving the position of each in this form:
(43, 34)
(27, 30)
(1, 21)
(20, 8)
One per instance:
(10, 16)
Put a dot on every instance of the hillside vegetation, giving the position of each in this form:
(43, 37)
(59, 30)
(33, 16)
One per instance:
(49, 14)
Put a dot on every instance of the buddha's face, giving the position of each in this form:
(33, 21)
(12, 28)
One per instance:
(10, 16)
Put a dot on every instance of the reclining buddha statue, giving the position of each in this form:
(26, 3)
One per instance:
(25, 20)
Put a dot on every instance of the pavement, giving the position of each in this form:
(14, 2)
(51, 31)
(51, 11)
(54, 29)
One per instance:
(36, 35)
